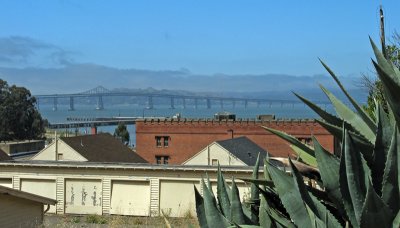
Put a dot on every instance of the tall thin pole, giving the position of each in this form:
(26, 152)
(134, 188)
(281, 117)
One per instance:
(382, 20)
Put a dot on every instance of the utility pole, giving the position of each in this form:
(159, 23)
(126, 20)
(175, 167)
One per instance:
(382, 20)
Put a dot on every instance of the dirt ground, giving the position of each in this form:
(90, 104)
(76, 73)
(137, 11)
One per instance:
(89, 221)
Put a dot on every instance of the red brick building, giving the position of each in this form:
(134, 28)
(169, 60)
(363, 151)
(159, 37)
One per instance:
(173, 141)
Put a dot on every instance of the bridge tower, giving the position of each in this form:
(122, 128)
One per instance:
(100, 105)
(221, 102)
(71, 104)
(55, 102)
(208, 103)
(258, 104)
(246, 103)
(233, 103)
(172, 103)
(196, 103)
(150, 102)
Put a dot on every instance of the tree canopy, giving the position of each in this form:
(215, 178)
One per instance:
(19, 117)
(122, 133)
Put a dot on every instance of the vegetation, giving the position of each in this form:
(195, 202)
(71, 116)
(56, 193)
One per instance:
(122, 133)
(360, 188)
(375, 87)
(19, 118)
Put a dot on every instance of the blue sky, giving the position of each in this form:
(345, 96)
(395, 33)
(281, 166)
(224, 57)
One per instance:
(204, 37)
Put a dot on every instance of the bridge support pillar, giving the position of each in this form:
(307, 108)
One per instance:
(55, 102)
(258, 104)
(93, 130)
(184, 103)
(196, 103)
(150, 102)
(233, 103)
(71, 104)
(221, 102)
(246, 103)
(172, 103)
(208, 103)
(100, 105)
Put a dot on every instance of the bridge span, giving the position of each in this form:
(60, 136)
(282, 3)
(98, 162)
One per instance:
(197, 100)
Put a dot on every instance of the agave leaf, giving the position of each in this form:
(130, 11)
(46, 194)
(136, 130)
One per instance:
(255, 193)
(329, 169)
(382, 144)
(362, 143)
(222, 195)
(213, 215)
(292, 140)
(311, 201)
(257, 182)
(209, 185)
(344, 187)
(201, 214)
(390, 189)
(316, 222)
(237, 215)
(326, 116)
(350, 117)
(357, 175)
(304, 156)
(375, 213)
(367, 119)
(264, 218)
(396, 221)
(290, 197)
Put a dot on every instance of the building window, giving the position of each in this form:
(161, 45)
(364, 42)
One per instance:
(166, 141)
(158, 141)
(60, 157)
(305, 140)
(214, 162)
(162, 159)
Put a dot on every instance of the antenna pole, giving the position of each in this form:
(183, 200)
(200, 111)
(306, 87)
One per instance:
(382, 31)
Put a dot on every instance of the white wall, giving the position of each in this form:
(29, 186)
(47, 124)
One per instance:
(214, 151)
(68, 154)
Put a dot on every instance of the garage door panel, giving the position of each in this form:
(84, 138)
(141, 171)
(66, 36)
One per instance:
(177, 197)
(130, 198)
(83, 196)
(46, 188)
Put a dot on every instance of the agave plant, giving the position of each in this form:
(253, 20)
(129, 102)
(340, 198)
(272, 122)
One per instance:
(358, 188)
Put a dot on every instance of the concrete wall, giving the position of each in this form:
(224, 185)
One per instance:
(17, 212)
(67, 153)
(123, 189)
(211, 152)
(188, 137)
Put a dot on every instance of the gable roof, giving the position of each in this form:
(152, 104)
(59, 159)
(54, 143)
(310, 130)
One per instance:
(26, 195)
(4, 156)
(102, 148)
(244, 149)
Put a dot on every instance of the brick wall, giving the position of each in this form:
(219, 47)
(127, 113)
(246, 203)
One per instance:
(187, 137)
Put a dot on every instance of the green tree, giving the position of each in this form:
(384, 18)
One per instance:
(19, 118)
(122, 133)
(375, 87)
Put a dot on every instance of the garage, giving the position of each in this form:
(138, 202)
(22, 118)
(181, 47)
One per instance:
(83, 196)
(244, 189)
(177, 197)
(41, 187)
(6, 182)
(130, 198)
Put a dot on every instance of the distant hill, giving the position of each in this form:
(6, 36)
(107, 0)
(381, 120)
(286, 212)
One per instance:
(76, 78)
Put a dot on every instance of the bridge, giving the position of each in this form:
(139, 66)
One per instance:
(197, 100)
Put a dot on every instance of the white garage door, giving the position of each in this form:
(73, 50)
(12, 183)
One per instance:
(83, 196)
(177, 197)
(130, 198)
(46, 188)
